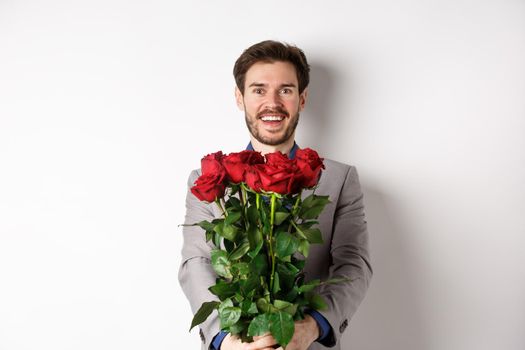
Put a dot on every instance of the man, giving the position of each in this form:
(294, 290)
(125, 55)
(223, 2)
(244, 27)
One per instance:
(272, 80)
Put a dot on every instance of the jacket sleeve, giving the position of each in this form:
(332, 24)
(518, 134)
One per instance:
(349, 258)
(195, 272)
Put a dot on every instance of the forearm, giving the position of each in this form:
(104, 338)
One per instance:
(195, 271)
(195, 278)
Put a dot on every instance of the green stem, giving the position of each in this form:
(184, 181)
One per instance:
(297, 201)
(297, 228)
(294, 210)
(270, 243)
(244, 204)
(218, 202)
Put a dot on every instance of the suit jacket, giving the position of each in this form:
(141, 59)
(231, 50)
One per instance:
(344, 253)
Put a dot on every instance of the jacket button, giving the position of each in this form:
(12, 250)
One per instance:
(343, 326)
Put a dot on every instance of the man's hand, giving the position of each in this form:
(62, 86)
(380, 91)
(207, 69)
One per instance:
(306, 332)
(232, 342)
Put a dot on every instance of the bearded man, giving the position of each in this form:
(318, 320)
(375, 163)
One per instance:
(272, 89)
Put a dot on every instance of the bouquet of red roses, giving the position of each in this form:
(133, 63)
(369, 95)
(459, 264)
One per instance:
(262, 240)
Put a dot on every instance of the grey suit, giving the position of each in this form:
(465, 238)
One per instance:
(344, 252)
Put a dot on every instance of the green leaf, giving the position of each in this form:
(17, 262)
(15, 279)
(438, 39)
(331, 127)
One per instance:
(204, 311)
(239, 298)
(229, 316)
(313, 235)
(308, 201)
(276, 284)
(280, 217)
(287, 275)
(217, 239)
(230, 232)
(286, 244)
(225, 303)
(223, 289)
(220, 263)
(312, 206)
(237, 327)
(253, 215)
(227, 231)
(308, 224)
(259, 265)
(229, 246)
(304, 247)
(281, 304)
(282, 327)
(256, 240)
(240, 250)
(265, 307)
(309, 286)
(264, 216)
(285, 306)
(298, 263)
(292, 294)
(249, 307)
(240, 269)
(250, 284)
(206, 225)
(259, 325)
(233, 202)
(232, 217)
(316, 302)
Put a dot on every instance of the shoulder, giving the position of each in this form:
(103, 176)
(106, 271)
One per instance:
(338, 177)
(335, 169)
(194, 174)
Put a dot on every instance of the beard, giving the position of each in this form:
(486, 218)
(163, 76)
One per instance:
(251, 123)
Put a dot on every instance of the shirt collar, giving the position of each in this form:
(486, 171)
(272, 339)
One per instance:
(292, 151)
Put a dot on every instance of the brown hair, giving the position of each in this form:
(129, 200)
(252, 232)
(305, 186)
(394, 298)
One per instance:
(271, 51)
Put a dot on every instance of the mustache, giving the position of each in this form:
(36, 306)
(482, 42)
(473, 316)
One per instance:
(277, 110)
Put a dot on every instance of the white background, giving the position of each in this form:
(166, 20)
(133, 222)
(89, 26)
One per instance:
(105, 107)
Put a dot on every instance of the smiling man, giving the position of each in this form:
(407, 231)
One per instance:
(271, 100)
(271, 88)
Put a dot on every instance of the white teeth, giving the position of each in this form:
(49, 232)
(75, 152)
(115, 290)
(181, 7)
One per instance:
(272, 118)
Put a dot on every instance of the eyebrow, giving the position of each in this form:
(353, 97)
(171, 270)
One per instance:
(255, 84)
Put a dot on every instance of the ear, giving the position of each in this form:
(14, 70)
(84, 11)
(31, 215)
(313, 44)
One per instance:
(239, 99)
(302, 99)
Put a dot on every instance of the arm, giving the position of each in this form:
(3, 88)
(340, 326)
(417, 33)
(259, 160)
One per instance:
(349, 258)
(195, 271)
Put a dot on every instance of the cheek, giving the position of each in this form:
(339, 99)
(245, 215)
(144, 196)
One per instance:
(293, 105)
(251, 105)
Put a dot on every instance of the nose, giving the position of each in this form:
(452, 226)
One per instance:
(274, 100)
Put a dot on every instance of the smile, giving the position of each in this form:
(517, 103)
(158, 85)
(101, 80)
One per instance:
(272, 118)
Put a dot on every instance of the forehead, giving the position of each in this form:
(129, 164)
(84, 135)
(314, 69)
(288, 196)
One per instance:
(274, 73)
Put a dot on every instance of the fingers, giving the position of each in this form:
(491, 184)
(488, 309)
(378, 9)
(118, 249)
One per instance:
(264, 342)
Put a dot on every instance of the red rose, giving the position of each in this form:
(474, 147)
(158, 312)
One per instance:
(211, 164)
(209, 187)
(252, 179)
(279, 174)
(310, 164)
(236, 164)
(277, 158)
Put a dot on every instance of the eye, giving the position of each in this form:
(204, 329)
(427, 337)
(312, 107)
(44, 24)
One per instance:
(286, 91)
(258, 91)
